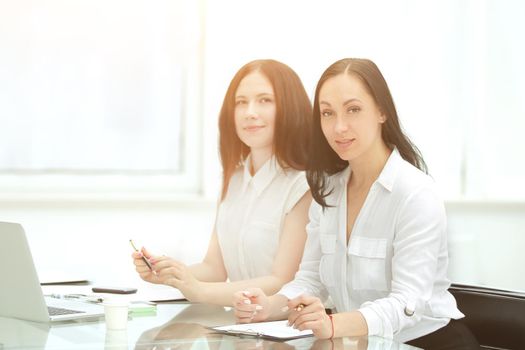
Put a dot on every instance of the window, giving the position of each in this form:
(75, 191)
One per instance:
(100, 96)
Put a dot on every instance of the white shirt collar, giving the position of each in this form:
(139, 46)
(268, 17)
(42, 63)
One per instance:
(386, 177)
(262, 177)
(389, 172)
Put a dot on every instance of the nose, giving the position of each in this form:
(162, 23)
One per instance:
(340, 126)
(251, 111)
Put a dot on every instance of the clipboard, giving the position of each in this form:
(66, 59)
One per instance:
(274, 330)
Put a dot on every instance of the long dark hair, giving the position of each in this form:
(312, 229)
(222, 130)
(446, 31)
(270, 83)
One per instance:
(292, 120)
(323, 160)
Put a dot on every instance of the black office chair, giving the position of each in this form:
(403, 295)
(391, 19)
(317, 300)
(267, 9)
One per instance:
(495, 317)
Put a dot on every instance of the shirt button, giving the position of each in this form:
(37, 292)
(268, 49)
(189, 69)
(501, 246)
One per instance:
(410, 308)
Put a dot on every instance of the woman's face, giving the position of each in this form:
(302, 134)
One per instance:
(350, 119)
(255, 111)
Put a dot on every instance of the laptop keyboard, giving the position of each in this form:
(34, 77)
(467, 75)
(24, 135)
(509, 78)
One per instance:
(55, 311)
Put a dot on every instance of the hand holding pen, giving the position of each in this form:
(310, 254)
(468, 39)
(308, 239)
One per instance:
(251, 305)
(141, 254)
(309, 313)
(143, 265)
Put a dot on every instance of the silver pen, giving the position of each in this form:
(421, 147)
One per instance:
(80, 297)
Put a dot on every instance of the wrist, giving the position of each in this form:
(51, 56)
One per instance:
(332, 331)
(199, 292)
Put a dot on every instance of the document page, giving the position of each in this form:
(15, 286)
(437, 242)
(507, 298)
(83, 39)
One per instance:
(271, 330)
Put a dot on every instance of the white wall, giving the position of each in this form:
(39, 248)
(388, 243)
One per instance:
(486, 243)
(91, 239)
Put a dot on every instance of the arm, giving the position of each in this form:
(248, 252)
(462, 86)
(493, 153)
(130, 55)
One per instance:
(253, 305)
(285, 264)
(420, 230)
(211, 269)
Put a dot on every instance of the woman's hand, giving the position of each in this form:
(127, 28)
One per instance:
(251, 305)
(176, 274)
(308, 312)
(144, 271)
(169, 272)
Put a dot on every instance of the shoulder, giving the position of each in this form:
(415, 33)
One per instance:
(292, 176)
(411, 180)
(415, 190)
(238, 174)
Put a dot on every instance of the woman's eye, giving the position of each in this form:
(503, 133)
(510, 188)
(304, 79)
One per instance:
(240, 102)
(353, 109)
(326, 113)
(266, 100)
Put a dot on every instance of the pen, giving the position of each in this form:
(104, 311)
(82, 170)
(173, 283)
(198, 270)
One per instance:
(143, 257)
(298, 308)
(81, 297)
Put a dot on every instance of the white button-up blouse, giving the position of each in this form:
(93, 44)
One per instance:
(394, 268)
(251, 217)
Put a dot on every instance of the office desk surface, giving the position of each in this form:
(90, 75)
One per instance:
(175, 326)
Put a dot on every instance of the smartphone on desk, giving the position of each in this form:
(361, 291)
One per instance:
(114, 290)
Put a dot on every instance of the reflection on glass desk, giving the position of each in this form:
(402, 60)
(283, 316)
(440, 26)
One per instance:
(175, 326)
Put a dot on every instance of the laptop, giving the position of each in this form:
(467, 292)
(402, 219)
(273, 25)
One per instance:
(21, 295)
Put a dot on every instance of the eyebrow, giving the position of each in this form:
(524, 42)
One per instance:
(344, 103)
(258, 95)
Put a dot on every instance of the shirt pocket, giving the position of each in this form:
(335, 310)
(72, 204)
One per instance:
(327, 268)
(368, 265)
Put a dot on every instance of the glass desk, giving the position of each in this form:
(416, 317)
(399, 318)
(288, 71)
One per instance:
(175, 326)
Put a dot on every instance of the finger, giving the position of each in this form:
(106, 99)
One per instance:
(162, 262)
(142, 269)
(313, 325)
(146, 252)
(301, 299)
(139, 262)
(173, 281)
(245, 307)
(168, 272)
(305, 317)
(299, 309)
(244, 320)
(244, 313)
(238, 297)
(253, 292)
(241, 305)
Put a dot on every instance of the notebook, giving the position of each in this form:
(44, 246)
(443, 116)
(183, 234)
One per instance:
(274, 330)
(21, 295)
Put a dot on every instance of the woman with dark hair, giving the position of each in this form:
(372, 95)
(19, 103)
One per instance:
(259, 232)
(377, 241)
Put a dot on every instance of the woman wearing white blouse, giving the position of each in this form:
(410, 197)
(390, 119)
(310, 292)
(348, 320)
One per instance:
(259, 232)
(377, 241)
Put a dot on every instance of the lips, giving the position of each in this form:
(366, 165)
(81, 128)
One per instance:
(253, 128)
(344, 143)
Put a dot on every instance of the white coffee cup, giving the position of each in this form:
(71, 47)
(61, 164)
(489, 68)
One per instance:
(116, 313)
(116, 339)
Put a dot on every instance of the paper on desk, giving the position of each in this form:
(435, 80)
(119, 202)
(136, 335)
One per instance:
(275, 330)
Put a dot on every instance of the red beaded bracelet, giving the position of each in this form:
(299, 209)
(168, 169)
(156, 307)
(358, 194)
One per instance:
(332, 322)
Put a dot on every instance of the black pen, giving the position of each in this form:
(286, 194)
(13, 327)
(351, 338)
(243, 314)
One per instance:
(143, 257)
